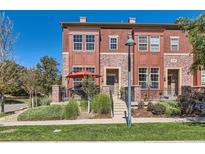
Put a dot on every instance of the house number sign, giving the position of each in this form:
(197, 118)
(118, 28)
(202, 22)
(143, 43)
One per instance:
(173, 60)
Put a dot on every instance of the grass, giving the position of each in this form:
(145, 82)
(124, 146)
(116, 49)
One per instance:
(5, 114)
(17, 101)
(109, 132)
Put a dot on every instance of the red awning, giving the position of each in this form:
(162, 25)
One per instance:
(82, 74)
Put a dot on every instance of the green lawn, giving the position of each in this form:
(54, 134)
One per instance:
(111, 132)
(17, 101)
(5, 114)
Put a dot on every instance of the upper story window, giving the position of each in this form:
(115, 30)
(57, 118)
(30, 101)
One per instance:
(154, 78)
(203, 77)
(113, 42)
(174, 43)
(90, 42)
(77, 69)
(143, 77)
(77, 40)
(154, 43)
(91, 69)
(143, 43)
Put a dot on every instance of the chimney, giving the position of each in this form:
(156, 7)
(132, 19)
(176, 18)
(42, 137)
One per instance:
(132, 20)
(83, 19)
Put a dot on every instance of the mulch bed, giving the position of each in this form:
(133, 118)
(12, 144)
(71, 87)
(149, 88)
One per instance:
(143, 113)
(101, 116)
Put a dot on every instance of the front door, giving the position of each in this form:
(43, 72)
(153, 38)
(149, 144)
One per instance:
(111, 82)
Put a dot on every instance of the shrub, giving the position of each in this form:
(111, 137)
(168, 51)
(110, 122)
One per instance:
(202, 113)
(83, 105)
(101, 104)
(172, 108)
(53, 112)
(140, 105)
(150, 106)
(45, 101)
(158, 109)
(71, 110)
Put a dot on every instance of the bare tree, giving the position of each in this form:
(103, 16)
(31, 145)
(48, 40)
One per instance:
(7, 40)
(30, 84)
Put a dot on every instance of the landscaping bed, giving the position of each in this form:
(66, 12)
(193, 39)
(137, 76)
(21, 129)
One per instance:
(157, 109)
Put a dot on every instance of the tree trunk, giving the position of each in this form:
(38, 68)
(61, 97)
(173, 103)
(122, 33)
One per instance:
(36, 98)
(2, 103)
(32, 101)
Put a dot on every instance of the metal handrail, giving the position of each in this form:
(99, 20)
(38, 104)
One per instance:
(112, 106)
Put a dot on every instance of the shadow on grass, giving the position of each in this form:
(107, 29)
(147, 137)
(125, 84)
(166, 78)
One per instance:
(10, 101)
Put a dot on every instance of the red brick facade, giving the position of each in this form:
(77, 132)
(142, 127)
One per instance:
(108, 62)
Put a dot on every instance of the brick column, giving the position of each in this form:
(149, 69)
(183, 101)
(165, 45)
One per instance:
(56, 93)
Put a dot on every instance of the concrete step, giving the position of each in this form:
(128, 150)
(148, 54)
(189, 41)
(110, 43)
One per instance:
(120, 109)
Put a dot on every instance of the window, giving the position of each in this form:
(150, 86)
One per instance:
(113, 42)
(91, 69)
(203, 77)
(77, 40)
(143, 77)
(174, 42)
(154, 78)
(76, 82)
(154, 43)
(142, 43)
(77, 69)
(90, 42)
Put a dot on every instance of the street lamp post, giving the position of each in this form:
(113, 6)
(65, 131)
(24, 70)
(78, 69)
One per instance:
(130, 42)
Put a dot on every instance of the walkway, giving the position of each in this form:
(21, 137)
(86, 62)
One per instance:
(14, 107)
(99, 121)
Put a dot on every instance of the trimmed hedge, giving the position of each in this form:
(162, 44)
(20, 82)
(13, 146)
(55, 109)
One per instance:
(53, 112)
(101, 104)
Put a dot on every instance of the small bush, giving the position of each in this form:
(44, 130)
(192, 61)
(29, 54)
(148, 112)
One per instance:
(158, 109)
(172, 108)
(150, 106)
(45, 101)
(71, 110)
(141, 105)
(202, 114)
(53, 112)
(101, 104)
(83, 105)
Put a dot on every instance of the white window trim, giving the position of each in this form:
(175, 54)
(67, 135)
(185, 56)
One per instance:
(174, 37)
(147, 78)
(159, 78)
(113, 36)
(77, 42)
(139, 43)
(89, 42)
(202, 77)
(151, 44)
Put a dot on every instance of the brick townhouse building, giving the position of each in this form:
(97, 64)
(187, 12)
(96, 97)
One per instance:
(161, 58)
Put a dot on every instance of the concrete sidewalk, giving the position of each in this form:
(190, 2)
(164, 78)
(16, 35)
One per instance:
(100, 121)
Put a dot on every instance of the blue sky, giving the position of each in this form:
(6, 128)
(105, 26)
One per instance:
(40, 31)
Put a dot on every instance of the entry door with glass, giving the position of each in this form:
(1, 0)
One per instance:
(111, 82)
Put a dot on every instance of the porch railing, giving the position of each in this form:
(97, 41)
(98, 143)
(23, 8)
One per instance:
(112, 104)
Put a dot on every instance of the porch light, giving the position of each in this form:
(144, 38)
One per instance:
(130, 42)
